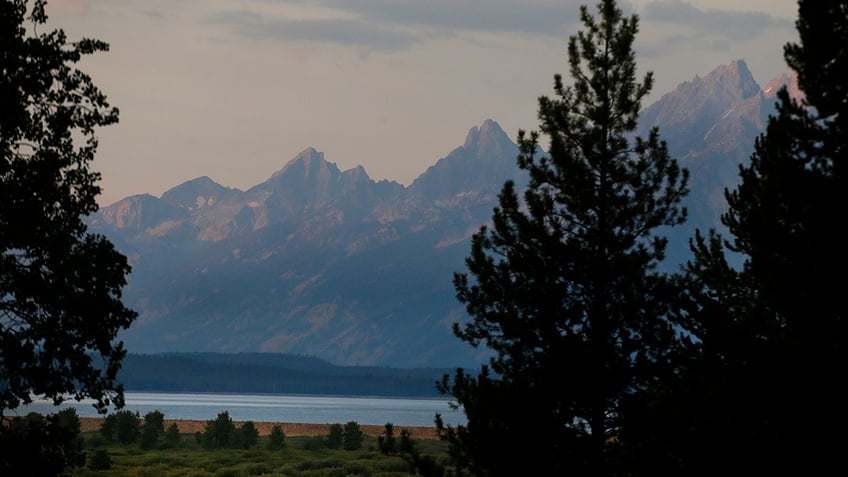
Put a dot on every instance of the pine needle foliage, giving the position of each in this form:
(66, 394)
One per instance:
(765, 368)
(564, 285)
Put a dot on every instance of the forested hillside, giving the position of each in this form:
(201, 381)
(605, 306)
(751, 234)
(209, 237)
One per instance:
(271, 373)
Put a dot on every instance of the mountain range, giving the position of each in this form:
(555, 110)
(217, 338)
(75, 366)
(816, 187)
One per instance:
(333, 264)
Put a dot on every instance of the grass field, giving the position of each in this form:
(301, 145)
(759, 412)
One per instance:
(289, 428)
(304, 455)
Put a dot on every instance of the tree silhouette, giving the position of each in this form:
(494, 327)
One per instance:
(565, 284)
(353, 436)
(759, 388)
(220, 433)
(60, 287)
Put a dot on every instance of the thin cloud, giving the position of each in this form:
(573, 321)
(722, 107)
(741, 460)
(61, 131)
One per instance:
(714, 29)
(79, 7)
(398, 24)
(540, 17)
(345, 31)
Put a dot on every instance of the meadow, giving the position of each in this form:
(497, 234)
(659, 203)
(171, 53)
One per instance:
(305, 455)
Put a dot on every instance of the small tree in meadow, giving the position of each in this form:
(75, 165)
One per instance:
(129, 428)
(353, 436)
(335, 437)
(155, 420)
(387, 443)
(122, 426)
(277, 439)
(219, 433)
(151, 429)
(108, 427)
(149, 437)
(247, 435)
(171, 437)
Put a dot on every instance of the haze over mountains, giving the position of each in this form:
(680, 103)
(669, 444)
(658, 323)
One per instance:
(333, 264)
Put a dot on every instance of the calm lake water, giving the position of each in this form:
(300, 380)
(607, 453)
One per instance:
(278, 408)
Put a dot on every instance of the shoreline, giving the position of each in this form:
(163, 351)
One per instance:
(291, 429)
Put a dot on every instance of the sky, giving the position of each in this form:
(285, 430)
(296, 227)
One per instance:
(234, 89)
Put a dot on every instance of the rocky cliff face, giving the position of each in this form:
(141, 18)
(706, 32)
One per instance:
(314, 260)
(710, 125)
(331, 263)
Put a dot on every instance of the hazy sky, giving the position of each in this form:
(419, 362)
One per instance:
(233, 89)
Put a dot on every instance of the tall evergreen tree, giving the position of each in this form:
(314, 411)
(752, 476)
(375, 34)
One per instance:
(785, 216)
(791, 201)
(760, 388)
(564, 285)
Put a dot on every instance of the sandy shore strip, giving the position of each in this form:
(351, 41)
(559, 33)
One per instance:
(291, 429)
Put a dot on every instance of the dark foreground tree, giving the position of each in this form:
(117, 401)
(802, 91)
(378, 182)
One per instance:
(60, 287)
(219, 433)
(564, 286)
(761, 387)
(353, 436)
(36, 445)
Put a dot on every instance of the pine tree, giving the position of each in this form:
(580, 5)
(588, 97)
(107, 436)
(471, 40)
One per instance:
(751, 398)
(785, 216)
(564, 285)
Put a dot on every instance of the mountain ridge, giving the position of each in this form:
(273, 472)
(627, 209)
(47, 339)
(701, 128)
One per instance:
(332, 263)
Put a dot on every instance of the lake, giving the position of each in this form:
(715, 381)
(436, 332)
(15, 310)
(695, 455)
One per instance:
(277, 408)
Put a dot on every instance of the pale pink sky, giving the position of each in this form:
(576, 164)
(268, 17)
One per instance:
(234, 89)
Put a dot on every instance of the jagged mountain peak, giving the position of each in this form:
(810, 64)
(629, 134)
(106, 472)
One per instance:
(734, 78)
(695, 106)
(308, 161)
(139, 212)
(487, 142)
(788, 80)
(202, 181)
(356, 174)
(489, 131)
(333, 264)
(198, 193)
(729, 82)
(481, 164)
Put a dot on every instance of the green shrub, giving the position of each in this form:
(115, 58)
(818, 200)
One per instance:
(149, 437)
(171, 437)
(357, 469)
(247, 435)
(257, 468)
(219, 433)
(108, 428)
(319, 464)
(277, 439)
(100, 460)
(122, 426)
(156, 420)
(395, 464)
(151, 429)
(353, 436)
(335, 438)
(315, 443)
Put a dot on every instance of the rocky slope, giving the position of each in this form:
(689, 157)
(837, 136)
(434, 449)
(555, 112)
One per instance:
(331, 263)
